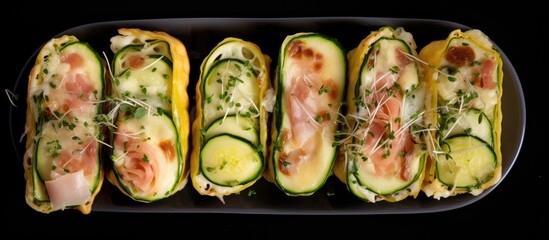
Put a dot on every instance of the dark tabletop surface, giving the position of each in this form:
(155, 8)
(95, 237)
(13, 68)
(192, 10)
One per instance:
(516, 205)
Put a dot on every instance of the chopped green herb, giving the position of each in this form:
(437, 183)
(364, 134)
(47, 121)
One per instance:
(386, 154)
(451, 70)
(76, 138)
(140, 112)
(323, 90)
(468, 131)
(246, 114)
(127, 74)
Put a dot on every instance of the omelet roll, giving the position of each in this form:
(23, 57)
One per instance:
(150, 111)
(233, 100)
(464, 72)
(63, 165)
(382, 153)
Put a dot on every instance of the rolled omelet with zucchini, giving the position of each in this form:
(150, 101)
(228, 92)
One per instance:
(229, 131)
(149, 105)
(62, 163)
(382, 153)
(309, 85)
(465, 76)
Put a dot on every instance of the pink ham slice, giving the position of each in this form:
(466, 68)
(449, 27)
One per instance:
(70, 189)
(398, 156)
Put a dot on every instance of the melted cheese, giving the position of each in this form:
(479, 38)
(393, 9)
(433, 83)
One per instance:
(149, 133)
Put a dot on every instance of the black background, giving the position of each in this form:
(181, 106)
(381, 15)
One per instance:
(517, 205)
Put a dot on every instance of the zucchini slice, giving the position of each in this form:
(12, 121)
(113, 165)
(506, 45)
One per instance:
(230, 88)
(310, 84)
(230, 161)
(150, 132)
(381, 157)
(152, 83)
(467, 162)
(63, 168)
(230, 125)
(471, 122)
(242, 127)
(465, 74)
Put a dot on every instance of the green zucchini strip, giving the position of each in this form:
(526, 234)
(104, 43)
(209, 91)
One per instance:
(310, 84)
